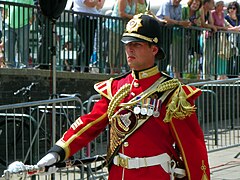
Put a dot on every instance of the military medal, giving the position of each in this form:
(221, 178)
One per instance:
(150, 111)
(156, 113)
(137, 109)
(143, 111)
(151, 107)
(143, 108)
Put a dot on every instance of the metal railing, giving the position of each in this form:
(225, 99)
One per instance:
(190, 52)
(219, 113)
(26, 133)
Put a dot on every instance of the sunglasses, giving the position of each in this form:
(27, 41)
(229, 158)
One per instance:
(233, 8)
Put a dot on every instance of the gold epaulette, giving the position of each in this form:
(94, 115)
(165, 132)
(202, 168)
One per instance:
(104, 88)
(190, 90)
(178, 106)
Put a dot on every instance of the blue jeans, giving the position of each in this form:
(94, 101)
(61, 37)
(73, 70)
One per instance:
(21, 37)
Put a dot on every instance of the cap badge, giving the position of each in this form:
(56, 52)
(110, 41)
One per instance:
(133, 25)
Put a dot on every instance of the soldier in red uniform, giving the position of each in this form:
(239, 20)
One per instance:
(154, 131)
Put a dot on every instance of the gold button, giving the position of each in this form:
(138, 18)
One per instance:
(136, 84)
(125, 144)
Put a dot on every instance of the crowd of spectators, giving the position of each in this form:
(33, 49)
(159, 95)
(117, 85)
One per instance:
(214, 58)
(212, 15)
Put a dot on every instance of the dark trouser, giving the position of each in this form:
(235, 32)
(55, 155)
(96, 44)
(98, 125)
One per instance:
(85, 28)
(45, 41)
(21, 37)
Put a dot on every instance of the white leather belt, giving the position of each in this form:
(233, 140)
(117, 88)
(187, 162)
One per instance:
(135, 163)
(163, 159)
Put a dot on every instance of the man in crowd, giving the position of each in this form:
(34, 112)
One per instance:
(18, 21)
(170, 12)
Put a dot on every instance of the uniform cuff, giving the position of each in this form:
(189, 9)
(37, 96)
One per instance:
(60, 151)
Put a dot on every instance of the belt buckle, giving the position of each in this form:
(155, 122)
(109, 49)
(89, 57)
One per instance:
(123, 162)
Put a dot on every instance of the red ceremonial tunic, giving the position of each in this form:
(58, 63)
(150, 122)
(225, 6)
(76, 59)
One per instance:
(153, 138)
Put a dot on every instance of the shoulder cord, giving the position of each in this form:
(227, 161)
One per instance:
(158, 86)
(120, 95)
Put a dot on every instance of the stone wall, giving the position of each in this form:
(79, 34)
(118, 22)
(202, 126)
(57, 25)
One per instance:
(12, 80)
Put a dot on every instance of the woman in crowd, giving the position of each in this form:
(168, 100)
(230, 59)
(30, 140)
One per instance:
(223, 43)
(141, 6)
(233, 19)
(233, 16)
(192, 40)
(191, 11)
(219, 22)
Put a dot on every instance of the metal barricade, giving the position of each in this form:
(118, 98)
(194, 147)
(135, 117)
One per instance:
(219, 113)
(26, 133)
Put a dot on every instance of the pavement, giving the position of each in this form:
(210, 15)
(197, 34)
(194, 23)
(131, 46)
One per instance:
(225, 164)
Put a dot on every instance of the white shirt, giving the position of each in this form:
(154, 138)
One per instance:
(79, 6)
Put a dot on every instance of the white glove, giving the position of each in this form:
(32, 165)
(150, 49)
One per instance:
(15, 171)
(49, 160)
(16, 167)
